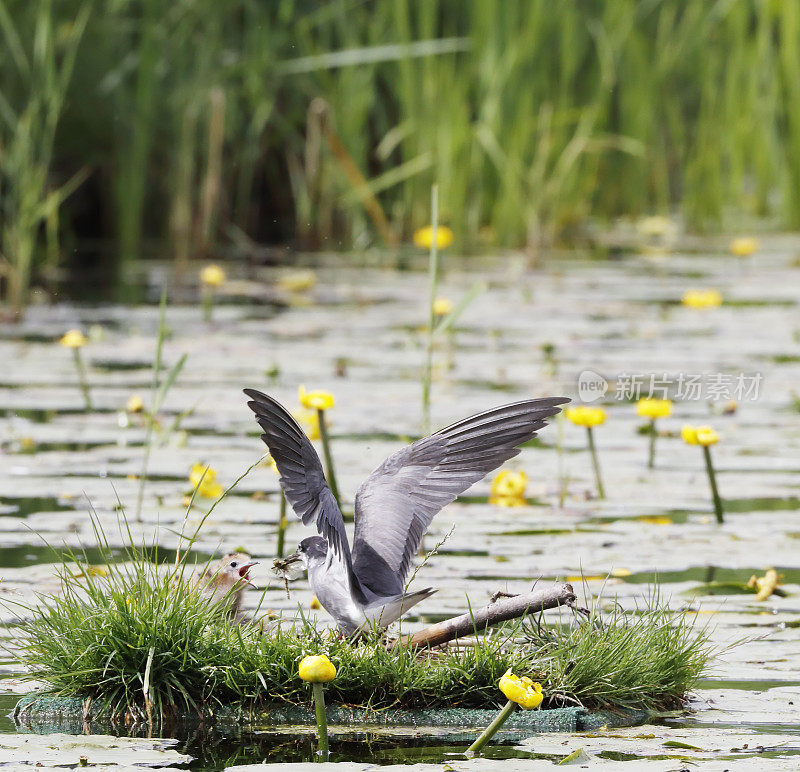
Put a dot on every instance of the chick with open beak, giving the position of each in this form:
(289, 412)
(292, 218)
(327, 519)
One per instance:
(224, 582)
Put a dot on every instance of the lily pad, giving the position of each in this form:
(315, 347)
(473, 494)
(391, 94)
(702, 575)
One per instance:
(60, 750)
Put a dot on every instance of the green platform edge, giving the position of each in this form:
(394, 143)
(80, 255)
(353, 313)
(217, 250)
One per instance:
(42, 713)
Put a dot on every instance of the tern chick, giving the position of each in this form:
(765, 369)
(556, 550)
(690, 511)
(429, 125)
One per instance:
(366, 584)
(224, 582)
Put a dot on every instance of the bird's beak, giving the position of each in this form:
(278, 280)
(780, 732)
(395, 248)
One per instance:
(290, 567)
(243, 572)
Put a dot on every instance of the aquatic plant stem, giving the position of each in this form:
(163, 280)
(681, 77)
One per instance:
(651, 458)
(318, 691)
(207, 302)
(282, 523)
(82, 382)
(326, 449)
(433, 277)
(158, 394)
(493, 728)
(712, 480)
(151, 414)
(595, 464)
(562, 480)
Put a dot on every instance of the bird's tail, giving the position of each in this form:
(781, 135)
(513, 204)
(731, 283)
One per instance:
(388, 610)
(412, 598)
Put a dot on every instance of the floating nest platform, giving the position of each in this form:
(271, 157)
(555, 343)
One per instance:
(44, 713)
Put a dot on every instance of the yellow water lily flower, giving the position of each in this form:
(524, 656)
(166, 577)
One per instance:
(206, 484)
(508, 488)
(583, 415)
(73, 339)
(699, 435)
(654, 408)
(523, 691)
(315, 400)
(656, 519)
(317, 669)
(766, 584)
(212, 275)
(689, 434)
(297, 281)
(424, 237)
(508, 483)
(701, 298)
(705, 436)
(584, 578)
(135, 404)
(100, 571)
(654, 225)
(442, 306)
(508, 501)
(744, 246)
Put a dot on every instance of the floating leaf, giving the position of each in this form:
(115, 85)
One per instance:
(685, 746)
(578, 756)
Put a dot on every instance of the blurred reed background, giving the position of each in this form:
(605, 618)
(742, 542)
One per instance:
(181, 128)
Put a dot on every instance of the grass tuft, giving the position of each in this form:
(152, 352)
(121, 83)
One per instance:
(113, 633)
(646, 660)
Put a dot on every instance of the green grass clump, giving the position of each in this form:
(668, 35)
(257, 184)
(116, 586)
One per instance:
(95, 639)
(648, 660)
(138, 635)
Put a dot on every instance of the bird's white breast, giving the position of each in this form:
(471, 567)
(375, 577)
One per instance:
(330, 584)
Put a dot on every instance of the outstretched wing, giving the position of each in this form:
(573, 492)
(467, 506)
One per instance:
(396, 503)
(302, 479)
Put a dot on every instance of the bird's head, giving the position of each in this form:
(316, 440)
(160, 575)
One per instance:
(310, 552)
(233, 570)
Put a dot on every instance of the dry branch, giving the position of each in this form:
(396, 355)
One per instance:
(539, 599)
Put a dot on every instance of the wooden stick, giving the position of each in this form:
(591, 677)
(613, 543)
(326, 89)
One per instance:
(539, 599)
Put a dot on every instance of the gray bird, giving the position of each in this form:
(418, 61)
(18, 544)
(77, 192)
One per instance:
(394, 506)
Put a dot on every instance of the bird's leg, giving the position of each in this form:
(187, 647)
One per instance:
(388, 641)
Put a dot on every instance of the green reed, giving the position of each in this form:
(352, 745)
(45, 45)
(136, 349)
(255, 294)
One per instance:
(35, 69)
(158, 392)
(532, 117)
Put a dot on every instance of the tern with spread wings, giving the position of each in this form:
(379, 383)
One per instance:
(365, 584)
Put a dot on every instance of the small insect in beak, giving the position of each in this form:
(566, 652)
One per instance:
(288, 569)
